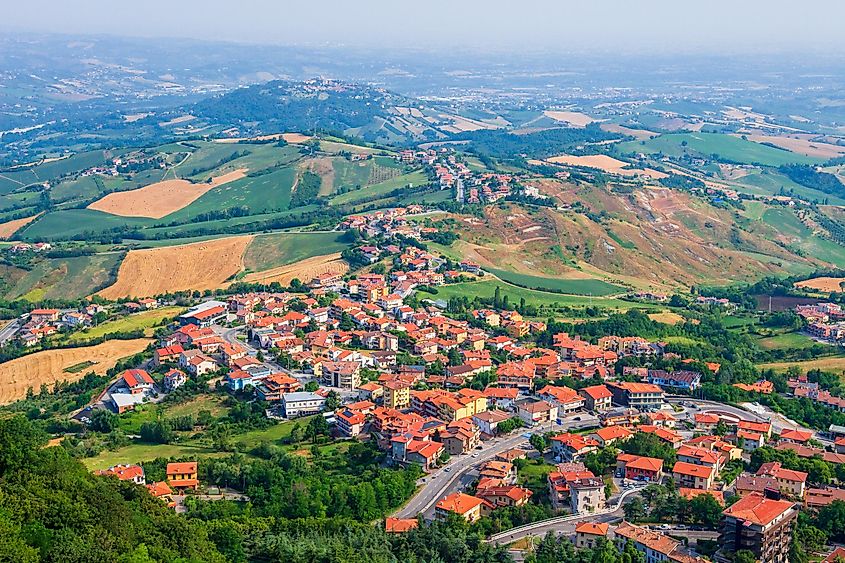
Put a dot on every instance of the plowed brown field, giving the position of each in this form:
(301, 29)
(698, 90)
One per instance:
(9, 228)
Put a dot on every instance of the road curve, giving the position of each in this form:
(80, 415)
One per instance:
(564, 523)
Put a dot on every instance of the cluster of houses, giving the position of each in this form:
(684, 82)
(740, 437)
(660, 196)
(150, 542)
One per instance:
(449, 171)
(825, 321)
(37, 247)
(46, 322)
(180, 478)
(41, 323)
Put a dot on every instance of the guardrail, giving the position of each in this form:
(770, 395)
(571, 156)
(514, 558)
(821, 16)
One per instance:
(562, 519)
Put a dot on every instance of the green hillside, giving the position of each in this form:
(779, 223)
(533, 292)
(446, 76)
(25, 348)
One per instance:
(725, 147)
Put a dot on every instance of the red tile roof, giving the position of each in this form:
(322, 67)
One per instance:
(757, 509)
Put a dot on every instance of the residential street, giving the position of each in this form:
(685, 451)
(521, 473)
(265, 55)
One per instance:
(449, 479)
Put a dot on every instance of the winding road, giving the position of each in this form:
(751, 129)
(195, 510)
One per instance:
(458, 472)
(563, 524)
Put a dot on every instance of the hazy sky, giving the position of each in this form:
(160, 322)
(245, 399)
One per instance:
(514, 25)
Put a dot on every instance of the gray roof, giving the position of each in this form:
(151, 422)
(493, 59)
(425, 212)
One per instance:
(301, 396)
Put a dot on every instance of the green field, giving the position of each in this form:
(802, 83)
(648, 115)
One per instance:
(486, 288)
(596, 288)
(785, 221)
(20, 177)
(259, 194)
(771, 182)
(137, 453)
(725, 147)
(70, 223)
(189, 229)
(137, 321)
(414, 178)
(359, 174)
(278, 249)
(788, 340)
(66, 278)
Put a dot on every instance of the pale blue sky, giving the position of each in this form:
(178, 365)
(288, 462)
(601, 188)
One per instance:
(668, 26)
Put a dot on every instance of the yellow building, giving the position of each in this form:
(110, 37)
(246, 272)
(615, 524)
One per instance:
(182, 475)
(397, 395)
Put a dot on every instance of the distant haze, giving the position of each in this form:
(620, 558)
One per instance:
(630, 26)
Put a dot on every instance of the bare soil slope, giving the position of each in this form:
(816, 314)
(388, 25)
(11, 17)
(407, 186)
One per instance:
(47, 367)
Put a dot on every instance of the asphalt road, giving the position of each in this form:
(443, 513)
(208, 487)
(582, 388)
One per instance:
(450, 479)
(563, 525)
(763, 414)
(9, 331)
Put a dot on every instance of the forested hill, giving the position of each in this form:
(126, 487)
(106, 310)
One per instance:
(53, 509)
(299, 106)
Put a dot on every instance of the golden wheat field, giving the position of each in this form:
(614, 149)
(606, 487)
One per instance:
(47, 367)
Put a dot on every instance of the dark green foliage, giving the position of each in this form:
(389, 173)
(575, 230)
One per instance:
(502, 144)
(650, 445)
(307, 189)
(808, 176)
(53, 509)
(681, 182)
(277, 106)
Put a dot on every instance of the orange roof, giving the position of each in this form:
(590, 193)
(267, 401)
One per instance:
(592, 528)
(124, 472)
(706, 418)
(760, 427)
(613, 432)
(134, 377)
(459, 503)
(641, 462)
(690, 494)
(181, 468)
(561, 394)
(159, 489)
(399, 525)
(757, 509)
(700, 471)
(795, 435)
(597, 392)
(633, 387)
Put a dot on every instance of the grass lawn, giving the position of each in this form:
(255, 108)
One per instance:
(144, 320)
(794, 340)
(533, 475)
(272, 434)
(681, 340)
(137, 453)
(486, 288)
(724, 146)
(131, 422)
(597, 288)
(734, 322)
